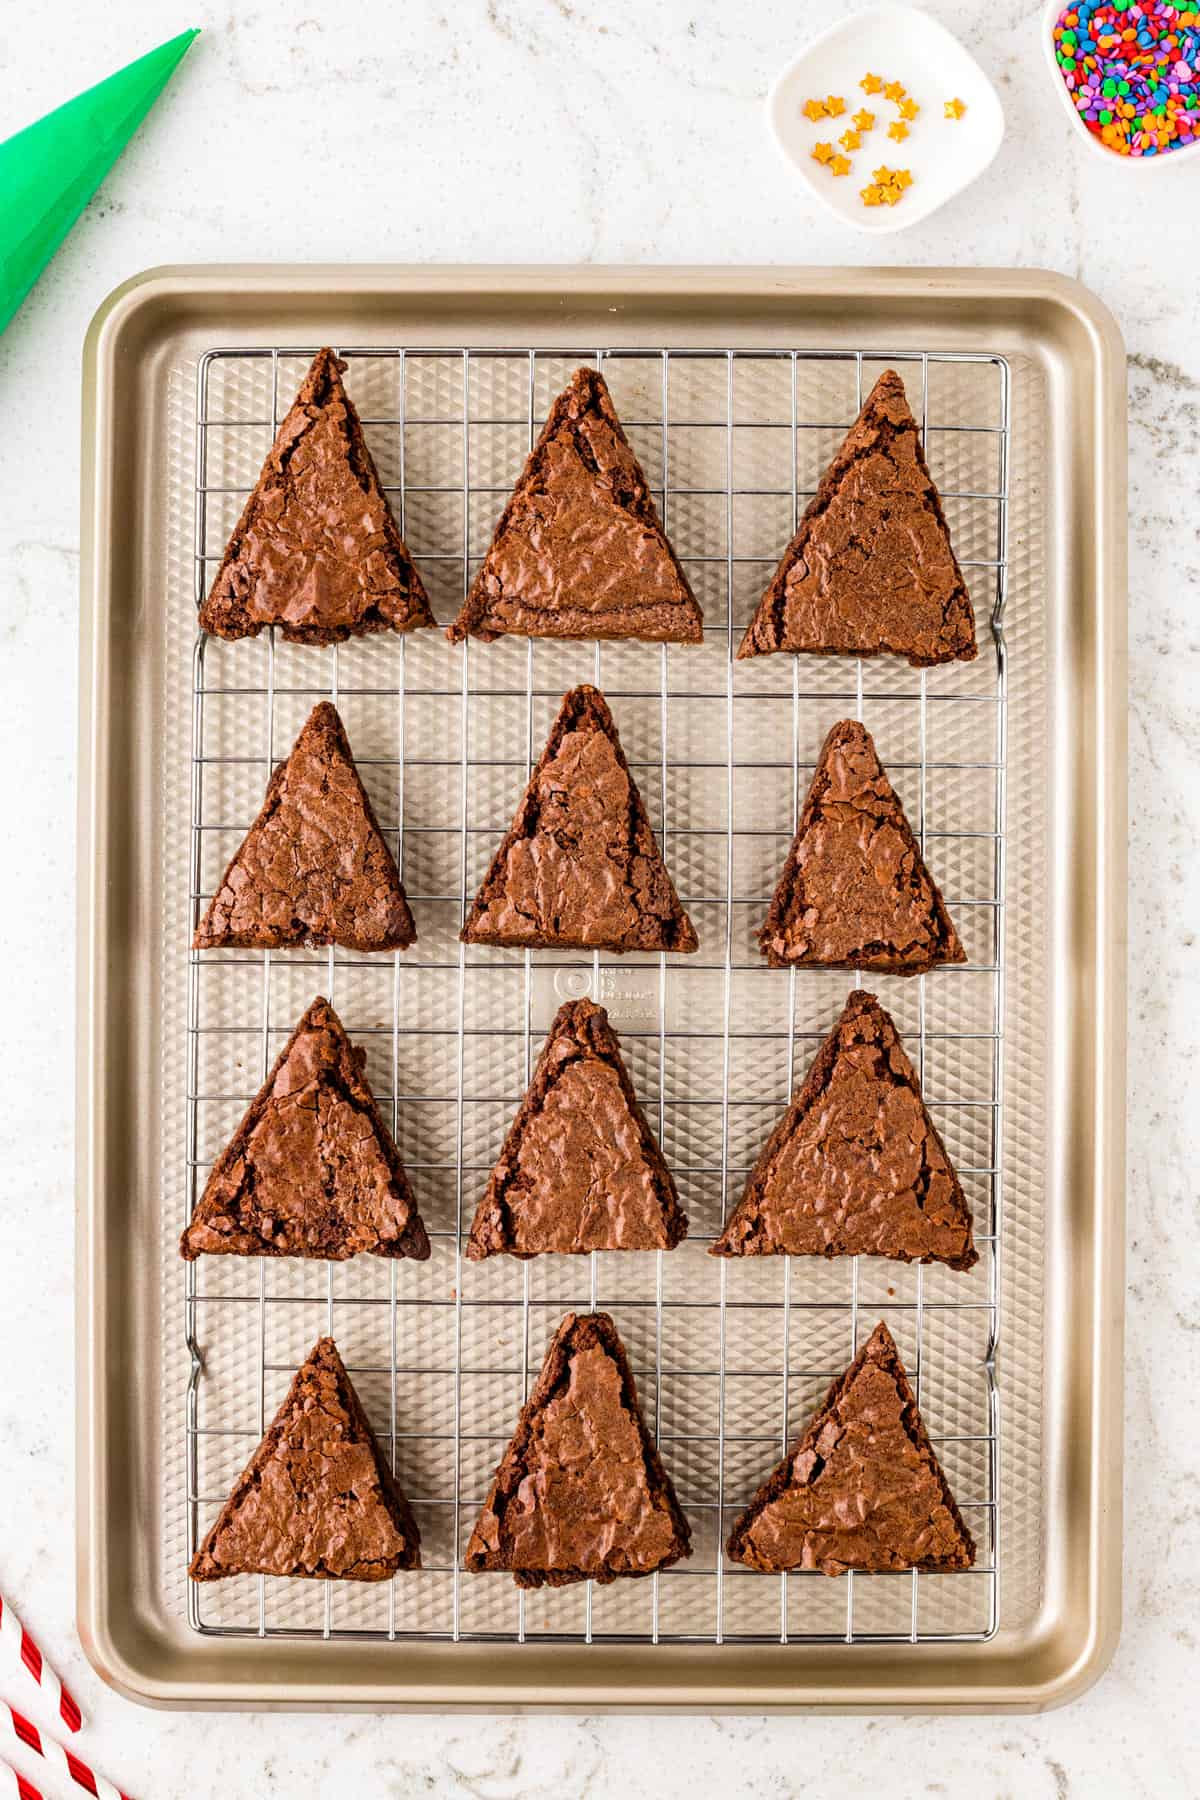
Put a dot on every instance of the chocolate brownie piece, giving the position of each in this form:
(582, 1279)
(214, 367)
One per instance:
(312, 1169)
(317, 1497)
(313, 868)
(581, 1493)
(316, 550)
(579, 551)
(855, 1166)
(871, 570)
(855, 892)
(862, 1489)
(580, 1169)
(580, 867)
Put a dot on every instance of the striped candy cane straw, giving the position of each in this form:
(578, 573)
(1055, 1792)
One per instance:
(19, 1642)
(16, 1785)
(60, 1756)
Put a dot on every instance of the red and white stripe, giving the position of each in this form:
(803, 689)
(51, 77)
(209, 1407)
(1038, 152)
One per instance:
(16, 1786)
(18, 1643)
(43, 1745)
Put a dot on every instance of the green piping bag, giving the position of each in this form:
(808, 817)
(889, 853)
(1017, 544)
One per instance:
(49, 171)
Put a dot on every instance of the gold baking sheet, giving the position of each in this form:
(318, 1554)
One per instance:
(1019, 380)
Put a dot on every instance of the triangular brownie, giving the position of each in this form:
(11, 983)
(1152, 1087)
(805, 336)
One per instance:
(579, 867)
(580, 1169)
(316, 550)
(862, 1489)
(317, 1497)
(312, 1169)
(313, 868)
(855, 892)
(581, 1493)
(855, 1166)
(871, 570)
(579, 551)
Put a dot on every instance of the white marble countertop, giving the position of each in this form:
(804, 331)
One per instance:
(575, 130)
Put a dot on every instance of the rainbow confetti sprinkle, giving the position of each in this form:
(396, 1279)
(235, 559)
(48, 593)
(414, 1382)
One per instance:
(1133, 72)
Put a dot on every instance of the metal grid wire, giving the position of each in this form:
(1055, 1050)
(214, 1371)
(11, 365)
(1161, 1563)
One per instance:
(730, 1359)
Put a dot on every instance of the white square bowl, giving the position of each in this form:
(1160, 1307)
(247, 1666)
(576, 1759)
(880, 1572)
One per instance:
(1114, 160)
(899, 43)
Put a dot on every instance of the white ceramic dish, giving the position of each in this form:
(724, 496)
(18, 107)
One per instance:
(899, 43)
(1169, 161)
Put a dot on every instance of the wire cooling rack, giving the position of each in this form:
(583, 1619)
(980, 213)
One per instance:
(730, 1358)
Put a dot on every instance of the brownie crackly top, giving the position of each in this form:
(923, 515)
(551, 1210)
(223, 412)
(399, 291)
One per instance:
(579, 551)
(855, 891)
(314, 867)
(855, 1167)
(317, 1498)
(580, 1169)
(311, 1170)
(316, 550)
(862, 1489)
(581, 1493)
(871, 569)
(580, 866)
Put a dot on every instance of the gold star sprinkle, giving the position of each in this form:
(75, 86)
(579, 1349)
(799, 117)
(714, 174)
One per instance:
(887, 186)
(835, 106)
(908, 109)
(864, 120)
(814, 110)
(840, 165)
(850, 140)
(898, 130)
(955, 109)
(895, 90)
(871, 84)
(822, 153)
